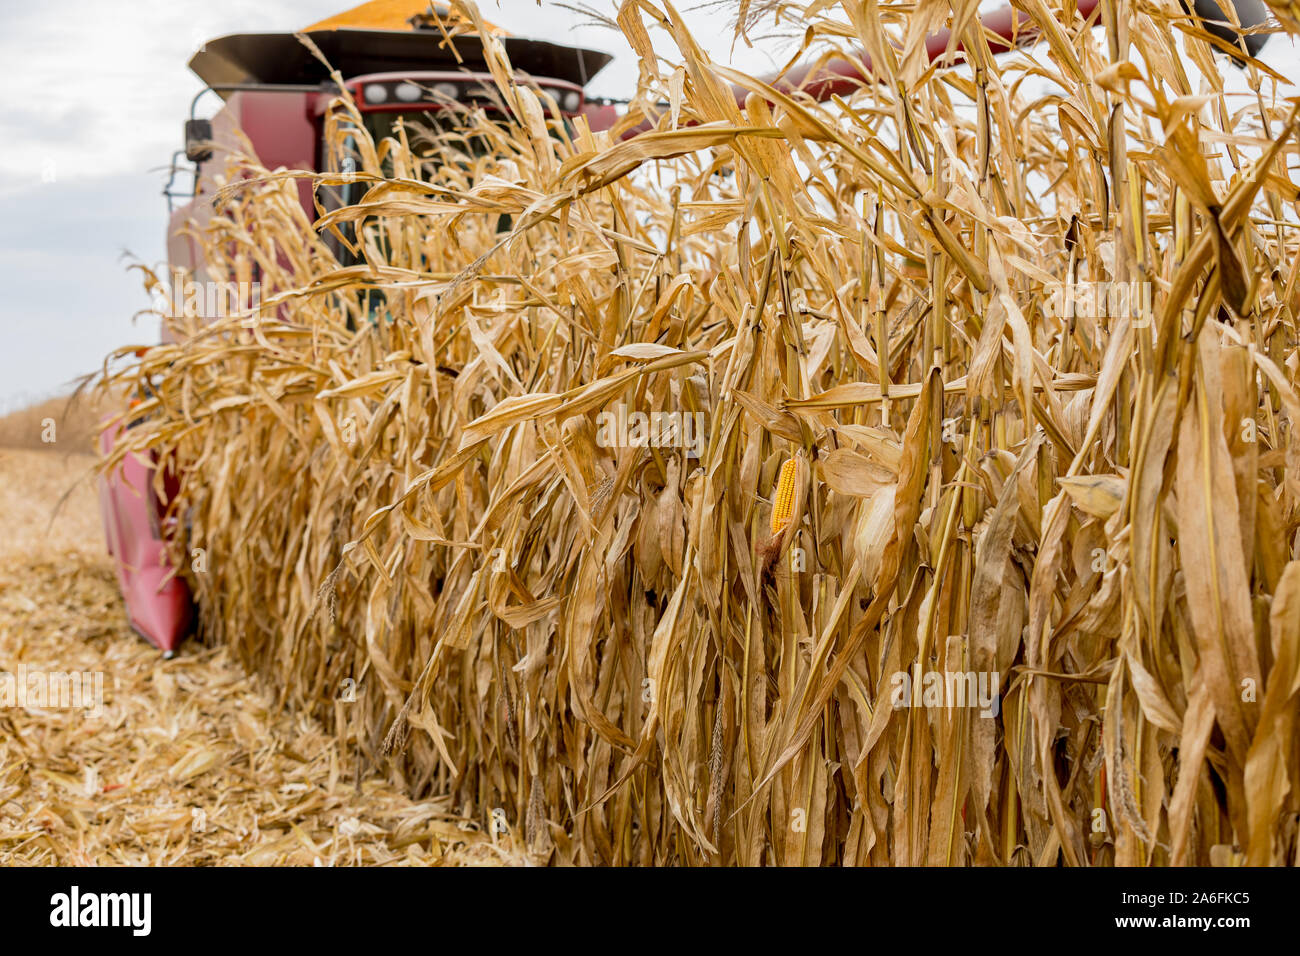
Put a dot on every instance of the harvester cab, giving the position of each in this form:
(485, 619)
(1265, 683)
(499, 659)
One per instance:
(426, 105)
(400, 61)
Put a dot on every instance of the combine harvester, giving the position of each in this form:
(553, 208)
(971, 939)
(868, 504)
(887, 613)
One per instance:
(400, 60)
(398, 64)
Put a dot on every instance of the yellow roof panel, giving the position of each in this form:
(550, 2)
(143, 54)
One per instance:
(393, 15)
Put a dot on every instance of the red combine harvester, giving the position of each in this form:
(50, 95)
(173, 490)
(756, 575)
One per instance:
(398, 63)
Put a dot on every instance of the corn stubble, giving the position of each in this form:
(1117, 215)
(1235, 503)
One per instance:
(621, 647)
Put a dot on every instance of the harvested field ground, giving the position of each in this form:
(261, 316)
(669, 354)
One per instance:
(72, 421)
(188, 763)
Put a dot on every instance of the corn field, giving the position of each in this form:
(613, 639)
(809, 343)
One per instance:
(646, 494)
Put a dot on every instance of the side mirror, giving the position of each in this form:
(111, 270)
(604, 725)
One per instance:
(198, 140)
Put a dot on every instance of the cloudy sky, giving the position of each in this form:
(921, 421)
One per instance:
(91, 108)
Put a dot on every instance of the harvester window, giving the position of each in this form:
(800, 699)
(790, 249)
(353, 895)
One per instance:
(435, 138)
(423, 128)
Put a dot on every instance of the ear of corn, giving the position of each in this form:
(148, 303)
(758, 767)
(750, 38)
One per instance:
(1095, 505)
(783, 499)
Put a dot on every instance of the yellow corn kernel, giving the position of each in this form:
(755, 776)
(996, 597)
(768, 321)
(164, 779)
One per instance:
(783, 500)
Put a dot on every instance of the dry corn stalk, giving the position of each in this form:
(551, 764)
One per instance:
(1092, 504)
